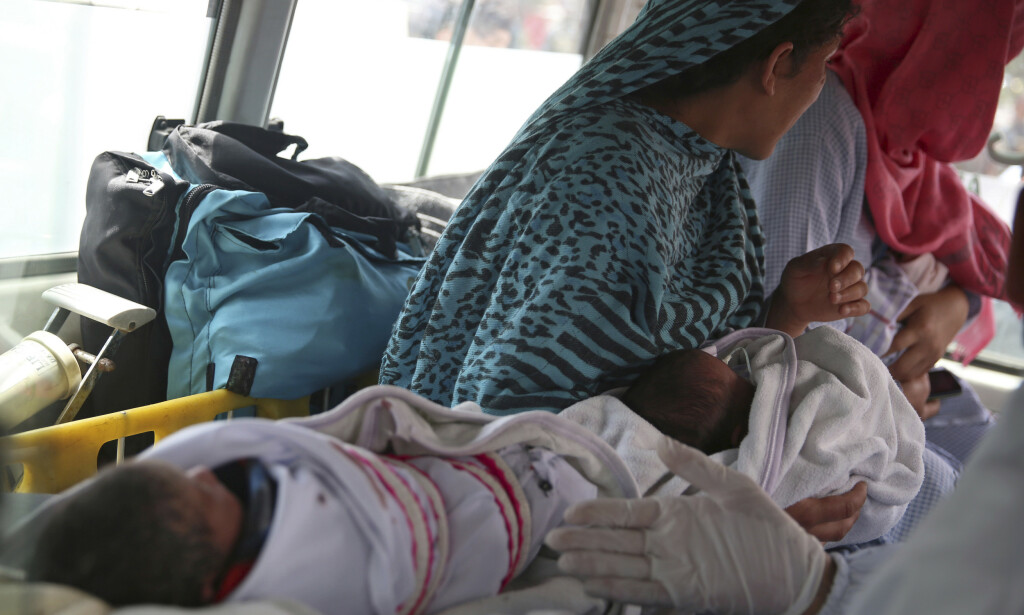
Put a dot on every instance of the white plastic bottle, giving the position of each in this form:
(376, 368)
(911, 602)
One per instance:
(37, 372)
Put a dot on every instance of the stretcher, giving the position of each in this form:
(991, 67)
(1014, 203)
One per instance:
(51, 459)
(54, 458)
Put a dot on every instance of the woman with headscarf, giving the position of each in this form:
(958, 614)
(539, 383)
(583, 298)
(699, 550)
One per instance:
(915, 88)
(617, 226)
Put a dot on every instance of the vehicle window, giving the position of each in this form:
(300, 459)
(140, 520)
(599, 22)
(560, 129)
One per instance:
(375, 111)
(998, 183)
(80, 79)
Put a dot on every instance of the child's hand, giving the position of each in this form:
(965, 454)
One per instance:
(821, 286)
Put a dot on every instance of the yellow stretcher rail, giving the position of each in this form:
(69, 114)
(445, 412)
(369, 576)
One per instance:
(55, 458)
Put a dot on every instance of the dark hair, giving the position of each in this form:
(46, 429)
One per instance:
(127, 539)
(683, 400)
(809, 26)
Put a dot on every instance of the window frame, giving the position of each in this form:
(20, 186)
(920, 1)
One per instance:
(243, 60)
(251, 37)
(461, 26)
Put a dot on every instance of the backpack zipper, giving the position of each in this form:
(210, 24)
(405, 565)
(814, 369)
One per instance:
(149, 178)
(192, 198)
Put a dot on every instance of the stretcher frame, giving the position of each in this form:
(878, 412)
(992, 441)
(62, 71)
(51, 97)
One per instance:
(57, 457)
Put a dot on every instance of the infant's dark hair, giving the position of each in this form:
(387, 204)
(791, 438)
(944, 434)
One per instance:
(702, 414)
(126, 539)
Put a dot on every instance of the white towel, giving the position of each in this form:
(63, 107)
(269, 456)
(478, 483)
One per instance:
(384, 418)
(848, 422)
(845, 420)
(632, 437)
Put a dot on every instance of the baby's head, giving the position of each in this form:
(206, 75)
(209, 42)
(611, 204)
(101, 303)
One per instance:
(695, 398)
(143, 532)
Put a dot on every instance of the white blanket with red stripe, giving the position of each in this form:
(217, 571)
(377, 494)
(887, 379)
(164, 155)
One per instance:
(391, 504)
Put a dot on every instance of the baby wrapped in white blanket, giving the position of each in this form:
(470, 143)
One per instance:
(824, 415)
(388, 504)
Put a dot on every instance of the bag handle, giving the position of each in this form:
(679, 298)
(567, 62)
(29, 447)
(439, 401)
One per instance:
(269, 143)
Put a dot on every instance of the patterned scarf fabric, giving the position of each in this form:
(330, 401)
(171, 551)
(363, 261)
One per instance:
(605, 235)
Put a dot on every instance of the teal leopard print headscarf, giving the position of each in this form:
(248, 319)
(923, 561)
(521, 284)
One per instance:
(605, 235)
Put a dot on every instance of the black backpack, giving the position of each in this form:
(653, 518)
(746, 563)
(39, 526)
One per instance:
(136, 210)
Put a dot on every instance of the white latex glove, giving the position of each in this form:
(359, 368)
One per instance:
(728, 549)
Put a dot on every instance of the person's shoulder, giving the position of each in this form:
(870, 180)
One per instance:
(830, 133)
(833, 114)
(617, 152)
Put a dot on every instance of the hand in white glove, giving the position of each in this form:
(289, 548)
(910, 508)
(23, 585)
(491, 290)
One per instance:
(728, 549)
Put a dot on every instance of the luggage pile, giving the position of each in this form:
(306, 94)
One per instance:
(272, 277)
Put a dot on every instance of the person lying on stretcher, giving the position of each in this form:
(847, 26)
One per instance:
(253, 509)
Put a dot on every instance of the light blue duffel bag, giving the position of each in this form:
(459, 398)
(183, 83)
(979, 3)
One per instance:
(273, 302)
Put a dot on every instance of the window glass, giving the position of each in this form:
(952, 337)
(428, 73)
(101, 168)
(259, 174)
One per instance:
(359, 78)
(540, 25)
(79, 80)
(517, 53)
(998, 184)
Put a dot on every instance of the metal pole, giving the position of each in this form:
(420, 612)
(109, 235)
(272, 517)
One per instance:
(89, 379)
(57, 320)
(447, 73)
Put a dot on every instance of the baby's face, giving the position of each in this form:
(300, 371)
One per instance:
(220, 508)
(199, 490)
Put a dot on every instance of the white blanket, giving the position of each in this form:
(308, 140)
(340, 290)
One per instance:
(391, 419)
(384, 417)
(842, 420)
(381, 418)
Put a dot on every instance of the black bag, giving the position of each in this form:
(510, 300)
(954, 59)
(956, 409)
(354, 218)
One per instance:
(126, 243)
(241, 157)
(129, 220)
